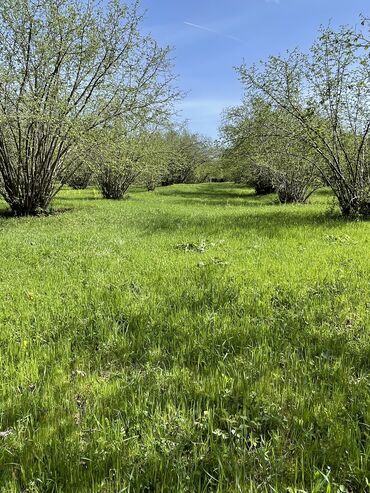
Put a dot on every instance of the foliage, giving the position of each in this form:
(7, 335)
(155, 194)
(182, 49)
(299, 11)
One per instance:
(119, 159)
(67, 68)
(149, 157)
(211, 167)
(266, 144)
(157, 154)
(187, 154)
(81, 177)
(242, 154)
(326, 93)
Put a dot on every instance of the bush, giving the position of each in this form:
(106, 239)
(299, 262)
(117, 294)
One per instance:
(80, 179)
(324, 97)
(114, 183)
(63, 68)
(260, 179)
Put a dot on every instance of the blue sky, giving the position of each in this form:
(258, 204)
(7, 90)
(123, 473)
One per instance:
(210, 37)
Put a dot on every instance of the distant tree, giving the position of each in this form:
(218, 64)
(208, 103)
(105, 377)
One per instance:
(81, 174)
(186, 152)
(118, 160)
(212, 168)
(267, 144)
(242, 155)
(289, 161)
(67, 68)
(157, 154)
(81, 178)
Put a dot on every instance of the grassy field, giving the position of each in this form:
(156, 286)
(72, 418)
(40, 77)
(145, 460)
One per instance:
(194, 339)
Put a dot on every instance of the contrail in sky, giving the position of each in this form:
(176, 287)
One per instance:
(204, 28)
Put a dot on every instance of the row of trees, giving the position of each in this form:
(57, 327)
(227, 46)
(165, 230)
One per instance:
(115, 160)
(71, 74)
(305, 121)
(83, 93)
(85, 96)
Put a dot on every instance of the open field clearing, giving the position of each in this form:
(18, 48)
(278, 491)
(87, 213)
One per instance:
(197, 338)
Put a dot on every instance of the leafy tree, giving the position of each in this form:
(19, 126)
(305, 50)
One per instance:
(212, 168)
(118, 158)
(268, 145)
(187, 152)
(157, 154)
(242, 154)
(288, 159)
(81, 177)
(326, 92)
(81, 174)
(67, 68)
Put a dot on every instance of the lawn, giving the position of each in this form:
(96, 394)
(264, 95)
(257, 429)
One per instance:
(194, 339)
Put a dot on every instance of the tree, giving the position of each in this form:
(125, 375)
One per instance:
(66, 68)
(288, 160)
(187, 152)
(242, 152)
(268, 145)
(82, 172)
(118, 160)
(326, 92)
(211, 169)
(81, 178)
(156, 157)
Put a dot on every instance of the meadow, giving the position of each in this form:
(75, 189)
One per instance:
(198, 338)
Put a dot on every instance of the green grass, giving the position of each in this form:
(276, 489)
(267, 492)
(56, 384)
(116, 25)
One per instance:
(194, 339)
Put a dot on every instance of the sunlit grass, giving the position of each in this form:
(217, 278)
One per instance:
(198, 338)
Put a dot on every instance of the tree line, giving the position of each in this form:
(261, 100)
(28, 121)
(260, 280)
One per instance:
(86, 97)
(115, 160)
(304, 122)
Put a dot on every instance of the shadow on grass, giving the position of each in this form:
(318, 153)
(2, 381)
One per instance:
(211, 192)
(245, 201)
(6, 213)
(235, 195)
(269, 223)
(55, 211)
(96, 198)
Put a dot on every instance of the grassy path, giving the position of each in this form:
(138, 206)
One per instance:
(194, 339)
